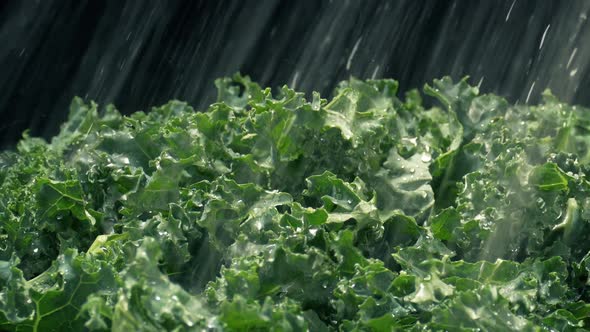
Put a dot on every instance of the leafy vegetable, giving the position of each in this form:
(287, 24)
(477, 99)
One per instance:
(274, 212)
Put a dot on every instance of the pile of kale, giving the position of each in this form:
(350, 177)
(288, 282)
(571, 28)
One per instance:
(270, 211)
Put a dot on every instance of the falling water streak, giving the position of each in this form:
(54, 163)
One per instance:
(351, 56)
(544, 34)
(375, 72)
(510, 10)
(480, 82)
(293, 84)
(569, 62)
(528, 96)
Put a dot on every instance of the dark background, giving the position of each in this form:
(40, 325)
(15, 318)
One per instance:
(139, 54)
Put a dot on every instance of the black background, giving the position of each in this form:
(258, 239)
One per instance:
(139, 54)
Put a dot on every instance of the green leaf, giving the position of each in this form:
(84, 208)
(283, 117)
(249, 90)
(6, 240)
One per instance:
(150, 302)
(16, 305)
(403, 184)
(548, 177)
(444, 224)
(484, 309)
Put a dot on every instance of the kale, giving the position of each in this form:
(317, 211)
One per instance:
(272, 212)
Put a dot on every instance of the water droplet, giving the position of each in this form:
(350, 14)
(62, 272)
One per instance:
(412, 170)
(157, 298)
(426, 158)
(36, 250)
